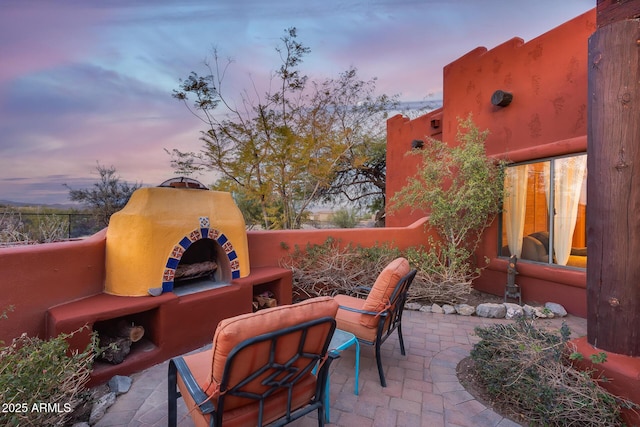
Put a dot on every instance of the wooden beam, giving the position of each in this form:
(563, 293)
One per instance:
(613, 192)
(610, 11)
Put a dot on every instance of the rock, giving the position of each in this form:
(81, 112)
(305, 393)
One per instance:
(82, 424)
(496, 311)
(435, 308)
(514, 311)
(412, 306)
(465, 309)
(119, 384)
(528, 311)
(540, 312)
(425, 309)
(100, 407)
(556, 309)
(155, 292)
(448, 309)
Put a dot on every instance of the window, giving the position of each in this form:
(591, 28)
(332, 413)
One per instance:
(544, 211)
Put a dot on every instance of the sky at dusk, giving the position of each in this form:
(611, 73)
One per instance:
(88, 81)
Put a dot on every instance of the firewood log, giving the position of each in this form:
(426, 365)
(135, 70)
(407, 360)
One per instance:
(195, 270)
(114, 350)
(125, 329)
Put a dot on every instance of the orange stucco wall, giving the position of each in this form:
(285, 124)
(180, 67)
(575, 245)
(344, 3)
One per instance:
(547, 117)
(36, 277)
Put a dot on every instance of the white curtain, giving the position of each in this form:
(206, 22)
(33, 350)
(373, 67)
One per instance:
(515, 199)
(568, 179)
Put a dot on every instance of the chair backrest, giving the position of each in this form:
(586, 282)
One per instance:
(271, 352)
(380, 295)
(397, 301)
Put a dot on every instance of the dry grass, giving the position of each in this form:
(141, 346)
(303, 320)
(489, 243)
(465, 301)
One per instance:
(330, 269)
(527, 369)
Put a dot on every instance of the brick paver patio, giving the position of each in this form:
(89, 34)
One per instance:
(422, 388)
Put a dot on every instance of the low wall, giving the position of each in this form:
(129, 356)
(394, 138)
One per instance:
(267, 248)
(34, 278)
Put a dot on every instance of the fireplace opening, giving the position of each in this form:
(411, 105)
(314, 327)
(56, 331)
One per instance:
(204, 265)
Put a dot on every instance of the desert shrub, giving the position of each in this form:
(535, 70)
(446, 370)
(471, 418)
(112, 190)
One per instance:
(345, 218)
(461, 188)
(527, 368)
(331, 268)
(41, 381)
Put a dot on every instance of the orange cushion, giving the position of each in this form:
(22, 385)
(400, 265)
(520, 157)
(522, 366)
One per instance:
(230, 332)
(350, 321)
(248, 414)
(382, 288)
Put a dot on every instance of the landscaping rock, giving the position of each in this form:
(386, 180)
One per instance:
(435, 308)
(491, 310)
(448, 309)
(556, 309)
(100, 407)
(425, 309)
(528, 311)
(539, 312)
(119, 384)
(514, 311)
(465, 309)
(413, 306)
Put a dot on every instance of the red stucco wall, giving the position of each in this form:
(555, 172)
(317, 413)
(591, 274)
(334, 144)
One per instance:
(547, 117)
(36, 277)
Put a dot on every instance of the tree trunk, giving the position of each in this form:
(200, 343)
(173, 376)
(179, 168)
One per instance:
(613, 190)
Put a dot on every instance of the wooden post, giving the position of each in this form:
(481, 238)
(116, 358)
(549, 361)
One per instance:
(613, 189)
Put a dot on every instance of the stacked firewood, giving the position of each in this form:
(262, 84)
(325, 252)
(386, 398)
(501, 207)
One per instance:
(116, 339)
(265, 299)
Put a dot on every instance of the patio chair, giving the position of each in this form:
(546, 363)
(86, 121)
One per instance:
(373, 319)
(259, 369)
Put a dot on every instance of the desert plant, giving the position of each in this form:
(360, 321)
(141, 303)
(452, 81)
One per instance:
(41, 382)
(344, 218)
(527, 368)
(462, 189)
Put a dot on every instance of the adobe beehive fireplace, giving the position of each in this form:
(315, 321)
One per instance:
(167, 237)
(176, 263)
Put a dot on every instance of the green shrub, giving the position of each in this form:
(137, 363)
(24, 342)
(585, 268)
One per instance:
(42, 382)
(527, 369)
(461, 188)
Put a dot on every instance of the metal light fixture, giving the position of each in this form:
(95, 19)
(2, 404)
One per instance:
(417, 144)
(501, 98)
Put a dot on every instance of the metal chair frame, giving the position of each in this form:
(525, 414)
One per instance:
(389, 320)
(282, 377)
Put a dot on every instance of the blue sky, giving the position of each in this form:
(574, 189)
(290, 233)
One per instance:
(87, 81)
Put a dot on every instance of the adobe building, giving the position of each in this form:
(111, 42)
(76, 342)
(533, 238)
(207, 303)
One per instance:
(532, 98)
(546, 103)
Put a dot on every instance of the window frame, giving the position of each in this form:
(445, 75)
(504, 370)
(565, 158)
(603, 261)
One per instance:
(551, 211)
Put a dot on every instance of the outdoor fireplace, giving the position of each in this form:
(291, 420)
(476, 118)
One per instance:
(175, 239)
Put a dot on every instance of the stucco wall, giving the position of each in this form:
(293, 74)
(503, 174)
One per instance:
(34, 278)
(547, 117)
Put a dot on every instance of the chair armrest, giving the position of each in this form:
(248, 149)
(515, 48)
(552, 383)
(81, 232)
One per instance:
(196, 392)
(357, 310)
(363, 289)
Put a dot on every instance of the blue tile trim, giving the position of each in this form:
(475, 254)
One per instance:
(185, 242)
(167, 286)
(235, 274)
(172, 263)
